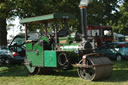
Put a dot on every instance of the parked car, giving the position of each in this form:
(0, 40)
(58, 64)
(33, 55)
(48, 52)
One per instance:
(17, 46)
(114, 50)
(14, 53)
(5, 55)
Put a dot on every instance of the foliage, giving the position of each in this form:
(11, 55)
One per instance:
(99, 12)
(121, 26)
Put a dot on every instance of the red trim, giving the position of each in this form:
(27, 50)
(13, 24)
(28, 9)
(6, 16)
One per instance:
(97, 27)
(64, 41)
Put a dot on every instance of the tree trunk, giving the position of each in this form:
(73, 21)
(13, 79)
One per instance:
(3, 31)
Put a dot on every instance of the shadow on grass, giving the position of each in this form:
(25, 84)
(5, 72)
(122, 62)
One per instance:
(67, 73)
(20, 71)
(118, 76)
(13, 71)
(120, 72)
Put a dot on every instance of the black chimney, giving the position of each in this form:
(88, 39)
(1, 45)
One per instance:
(83, 11)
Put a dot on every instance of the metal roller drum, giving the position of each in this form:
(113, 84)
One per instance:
(96, 68)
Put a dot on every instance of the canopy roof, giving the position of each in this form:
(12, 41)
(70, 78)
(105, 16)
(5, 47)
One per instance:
(48, 18)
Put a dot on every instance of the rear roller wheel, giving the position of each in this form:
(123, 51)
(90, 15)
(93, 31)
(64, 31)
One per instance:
(31, 69)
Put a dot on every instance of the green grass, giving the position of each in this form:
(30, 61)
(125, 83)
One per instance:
(17, 75)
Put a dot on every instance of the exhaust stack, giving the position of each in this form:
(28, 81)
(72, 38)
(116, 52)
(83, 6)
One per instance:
(83, 10)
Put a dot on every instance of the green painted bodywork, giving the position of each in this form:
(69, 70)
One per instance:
(46, 58)
(70, 47)
(35, 55)
(29, 46)
(68, 43)
(48, 18)
(35, 52)
(66, 40)
(44, 38)
(50, 59)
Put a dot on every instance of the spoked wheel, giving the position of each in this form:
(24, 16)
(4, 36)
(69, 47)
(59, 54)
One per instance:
(31, 69)
(7, 61)
(86, 73)
(100, 68)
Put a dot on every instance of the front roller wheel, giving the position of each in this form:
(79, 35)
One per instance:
(86, 73)
(100, 68)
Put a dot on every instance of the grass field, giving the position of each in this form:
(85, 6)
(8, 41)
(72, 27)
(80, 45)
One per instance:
(17, 75)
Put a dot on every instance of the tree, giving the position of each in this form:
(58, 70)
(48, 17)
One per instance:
(100, 12)
(9, 8)
(4, 10)
(121, 26)
(25, 8)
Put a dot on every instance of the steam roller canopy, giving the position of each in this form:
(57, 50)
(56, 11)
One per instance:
(96, 68)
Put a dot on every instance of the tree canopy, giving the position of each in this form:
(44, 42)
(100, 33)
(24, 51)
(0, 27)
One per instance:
(121, 25)
(100, 12)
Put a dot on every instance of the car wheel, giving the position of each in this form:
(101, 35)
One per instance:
(118, 57)
(7, 62)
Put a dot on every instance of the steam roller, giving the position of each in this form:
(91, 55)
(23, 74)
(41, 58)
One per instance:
(63, 50)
